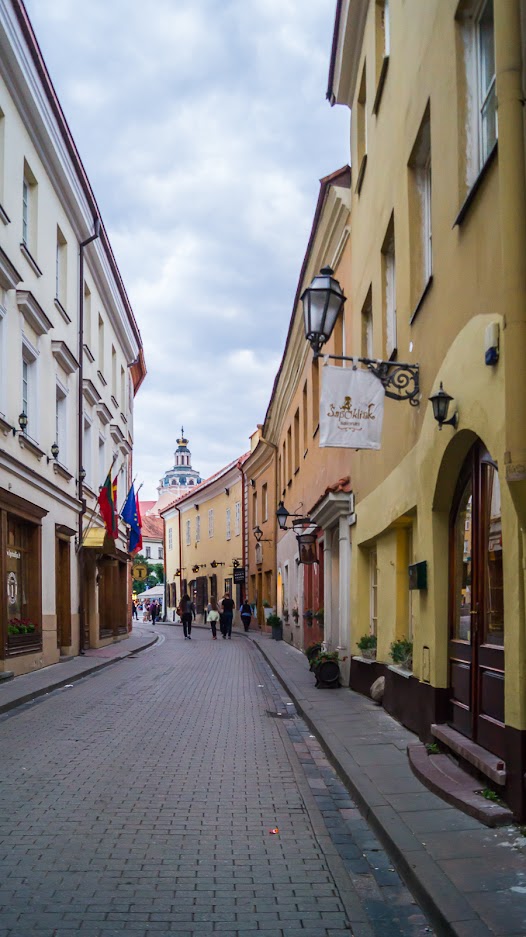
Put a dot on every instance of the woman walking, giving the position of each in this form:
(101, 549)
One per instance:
(187, 612)
(213, 616)
(246, 614)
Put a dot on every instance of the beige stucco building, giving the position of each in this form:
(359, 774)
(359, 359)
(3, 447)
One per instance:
(70, 364)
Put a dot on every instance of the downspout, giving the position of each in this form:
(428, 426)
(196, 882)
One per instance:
(80, 431)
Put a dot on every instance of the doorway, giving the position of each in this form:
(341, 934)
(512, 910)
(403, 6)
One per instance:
(476, 605)
(63, 591)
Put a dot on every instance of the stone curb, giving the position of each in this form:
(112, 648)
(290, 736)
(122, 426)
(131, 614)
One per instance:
(425, 879)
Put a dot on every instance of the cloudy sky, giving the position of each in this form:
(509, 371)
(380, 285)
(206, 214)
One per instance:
(204, 130)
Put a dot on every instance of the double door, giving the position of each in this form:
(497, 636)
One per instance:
(476, 606)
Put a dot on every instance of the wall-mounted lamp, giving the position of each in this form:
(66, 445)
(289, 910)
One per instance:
(440, 402)
(54, 453)
(179, 571)
(82, 474)
(283, 515)
(253, 482)
(195, 569)
(196, 506)
(258, 534)
(236, 563)
(227, 491)
(305, 533)
(215, 563)
(22, 421)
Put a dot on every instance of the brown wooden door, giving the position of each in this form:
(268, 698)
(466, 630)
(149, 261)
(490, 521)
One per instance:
(476, 643)
(63, 592)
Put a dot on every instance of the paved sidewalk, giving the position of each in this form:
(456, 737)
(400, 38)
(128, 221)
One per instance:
(471, 880)
(32, 685)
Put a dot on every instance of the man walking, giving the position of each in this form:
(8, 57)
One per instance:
(227, 615)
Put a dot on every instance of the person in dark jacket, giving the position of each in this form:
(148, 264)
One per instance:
(227, 615)
(246, 614)
(187, 612)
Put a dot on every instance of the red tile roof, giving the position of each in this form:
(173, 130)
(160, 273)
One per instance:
(152, 527)
(342, 485)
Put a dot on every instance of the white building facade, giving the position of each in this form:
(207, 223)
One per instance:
(70, 364)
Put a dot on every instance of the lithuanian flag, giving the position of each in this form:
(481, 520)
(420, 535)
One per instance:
(108, 505)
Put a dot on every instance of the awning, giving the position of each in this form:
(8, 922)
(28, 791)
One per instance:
(96, 538)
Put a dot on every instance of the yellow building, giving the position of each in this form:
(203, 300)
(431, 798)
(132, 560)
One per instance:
(438, 277)
(205, 541)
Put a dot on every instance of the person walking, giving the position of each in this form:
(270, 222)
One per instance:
(153, 611)
(213, 616)
(134, 609)
(187, 612)
(227, 615)
(246, 614)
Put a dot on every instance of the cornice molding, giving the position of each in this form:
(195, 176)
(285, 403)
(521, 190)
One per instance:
(104, 413)
(90, 392)
(40, 484)
(64, 357)
(32, 312)
(9, 275)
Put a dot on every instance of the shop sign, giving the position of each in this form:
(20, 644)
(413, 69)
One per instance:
(351, 408)
(14, 554)
(140, 572)
(239, 575)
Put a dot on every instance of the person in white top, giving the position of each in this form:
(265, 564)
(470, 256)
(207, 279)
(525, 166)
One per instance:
(213, 616)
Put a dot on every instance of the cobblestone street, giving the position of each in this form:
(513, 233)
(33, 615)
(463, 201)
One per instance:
(141, 801)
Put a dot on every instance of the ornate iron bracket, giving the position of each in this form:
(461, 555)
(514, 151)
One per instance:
(401, 381)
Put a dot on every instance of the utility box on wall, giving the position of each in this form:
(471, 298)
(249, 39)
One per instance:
(418, 575)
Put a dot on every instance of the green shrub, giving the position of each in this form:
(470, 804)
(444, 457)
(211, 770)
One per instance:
(367, 641)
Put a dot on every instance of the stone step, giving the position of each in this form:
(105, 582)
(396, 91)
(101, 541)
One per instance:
(449, 781)
(485, 762)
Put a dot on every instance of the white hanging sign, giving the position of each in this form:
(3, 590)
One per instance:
(351, 408)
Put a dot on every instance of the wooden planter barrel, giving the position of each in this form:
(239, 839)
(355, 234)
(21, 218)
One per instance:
(327, 674)
(312, 654)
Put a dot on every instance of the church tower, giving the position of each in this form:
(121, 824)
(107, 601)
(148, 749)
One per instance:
(181, 476)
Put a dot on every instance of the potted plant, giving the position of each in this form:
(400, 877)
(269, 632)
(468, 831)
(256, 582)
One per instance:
(367, 646)
(308, 616)
(326, 667)
(295, 614)
(267, 610)
(402, 653)
(313, 651)
(276, 624)
(286, 615)
(319, 616)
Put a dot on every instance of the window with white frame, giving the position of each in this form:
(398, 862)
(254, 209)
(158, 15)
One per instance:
(161, 553)
(211, 522)
(188, 533)
(487, 99)
(389, 290)
(29, 209)
(170, 538)
(103, 469)
(61, 269)
(420, 219)
(100, 350)
(264, 488)
(3, 369)
(367, 326)
(148, 553)
(237, 521)
(61, 422)
(87, 316)
(477, 104)
(360, 114)
(382, 48)
(29, 387)
(198, 528)
(373, 591)
(2, 154)
(228, 524)
(87, 456)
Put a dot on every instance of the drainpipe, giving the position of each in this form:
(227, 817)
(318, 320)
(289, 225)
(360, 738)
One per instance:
(80, 430)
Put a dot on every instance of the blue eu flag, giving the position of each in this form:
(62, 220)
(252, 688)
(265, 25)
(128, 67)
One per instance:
(130, 515)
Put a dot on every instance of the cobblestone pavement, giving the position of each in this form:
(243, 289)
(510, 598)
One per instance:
(140, 801)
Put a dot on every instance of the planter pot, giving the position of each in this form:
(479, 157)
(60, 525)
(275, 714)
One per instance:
(18, 643)
(277, 632)
(327, 674)
(312, 655)
(369, 653)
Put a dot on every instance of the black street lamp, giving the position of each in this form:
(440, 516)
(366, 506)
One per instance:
(322, 302)
(440, 402)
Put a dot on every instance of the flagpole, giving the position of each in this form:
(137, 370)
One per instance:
(91, 510)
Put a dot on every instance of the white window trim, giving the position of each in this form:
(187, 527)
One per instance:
(228, 524)
(87, 450)
(198, 529)
(61, 421)
(210, 522)
(30, 355)
(237, 522)
(3, 352)
(188, 533)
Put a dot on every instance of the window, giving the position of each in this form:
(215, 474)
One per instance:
(100, 361)
(389, 290)
(87, 316)
(29, 387)
(198, 528)
(3, 344)
(86, 453)
(487, 101)
(170, 538)
(373, 592)
(211, 522)
(367, 326)
(148, 553)
(254, 509)
(29, 210)
(382, 48)
(361, 128)
(420, 223)
(123, 389)
(61, 269)
(315, 373)
(188, 533)
(264, 502)
(296, 441)
(2, 154)
(289, 454)
(160, 553)
(61, 422)
(102, 460)
(228, 524)
(113, 371)
(284, 464)
(238, 518)
(305, 421)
